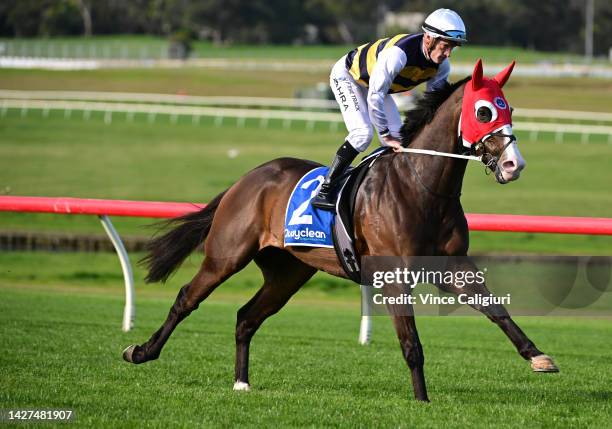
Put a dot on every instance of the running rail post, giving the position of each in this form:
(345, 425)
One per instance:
(129, 310)
(365, 329)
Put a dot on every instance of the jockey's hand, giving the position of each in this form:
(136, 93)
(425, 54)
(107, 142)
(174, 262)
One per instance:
(393, 143)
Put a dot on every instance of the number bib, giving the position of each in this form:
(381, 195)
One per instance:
(304, 224)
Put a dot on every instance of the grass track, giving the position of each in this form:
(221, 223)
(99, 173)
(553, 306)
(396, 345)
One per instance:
(62, 350)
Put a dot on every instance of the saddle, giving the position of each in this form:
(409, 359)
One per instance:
(343, 228)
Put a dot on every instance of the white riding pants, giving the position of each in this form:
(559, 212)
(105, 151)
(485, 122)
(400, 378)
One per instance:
(353, 101)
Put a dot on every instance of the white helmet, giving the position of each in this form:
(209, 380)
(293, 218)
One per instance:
(446, 24)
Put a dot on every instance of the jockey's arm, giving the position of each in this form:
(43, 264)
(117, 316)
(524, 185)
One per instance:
(388, 65)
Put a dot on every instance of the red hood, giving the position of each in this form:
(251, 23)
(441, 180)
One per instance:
(482, 91)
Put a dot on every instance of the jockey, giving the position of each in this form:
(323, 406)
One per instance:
(363, 80)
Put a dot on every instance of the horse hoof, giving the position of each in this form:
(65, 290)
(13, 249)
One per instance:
(242, 386)
(127, 353)
(543, 363)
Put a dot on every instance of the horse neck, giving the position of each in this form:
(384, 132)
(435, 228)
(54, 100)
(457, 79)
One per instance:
(443, 175)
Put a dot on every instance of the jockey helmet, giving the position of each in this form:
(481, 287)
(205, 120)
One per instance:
(445, 24)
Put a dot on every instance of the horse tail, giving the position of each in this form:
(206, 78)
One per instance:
(167, 252)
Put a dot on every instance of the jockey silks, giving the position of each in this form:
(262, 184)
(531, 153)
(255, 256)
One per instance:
(361, 61)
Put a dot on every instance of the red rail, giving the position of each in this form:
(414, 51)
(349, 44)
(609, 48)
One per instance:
(477, 222)
(95, 207)
(546, 224)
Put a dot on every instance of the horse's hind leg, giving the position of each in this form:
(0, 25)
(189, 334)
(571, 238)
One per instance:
(213, 272)
(283, 276)
(498, 314)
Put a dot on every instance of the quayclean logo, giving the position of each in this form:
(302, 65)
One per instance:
(305, 234)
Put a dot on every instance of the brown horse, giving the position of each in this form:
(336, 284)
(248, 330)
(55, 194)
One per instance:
(408, 204)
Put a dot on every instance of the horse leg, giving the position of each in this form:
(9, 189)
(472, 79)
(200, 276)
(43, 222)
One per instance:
(498, 314)
(211, 274)
(405, 326)
(283, 276)
(412, 350)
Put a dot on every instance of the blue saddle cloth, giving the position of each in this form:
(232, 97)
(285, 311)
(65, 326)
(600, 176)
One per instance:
(306, 225)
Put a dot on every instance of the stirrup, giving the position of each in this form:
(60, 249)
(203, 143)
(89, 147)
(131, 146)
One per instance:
(323, 200)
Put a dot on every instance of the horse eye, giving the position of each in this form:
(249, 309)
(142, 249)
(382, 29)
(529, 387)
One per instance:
(484, 114)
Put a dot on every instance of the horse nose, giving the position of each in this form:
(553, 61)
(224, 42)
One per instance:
(509, 165)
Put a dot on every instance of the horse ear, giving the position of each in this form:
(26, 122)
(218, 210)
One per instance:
(502, 77)
(477, 75)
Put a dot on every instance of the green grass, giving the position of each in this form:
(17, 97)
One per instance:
(187, 80)
(62, 349)
(55, 156)
(101, 273)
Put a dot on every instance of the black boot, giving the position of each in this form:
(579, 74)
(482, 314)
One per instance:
(324, 199)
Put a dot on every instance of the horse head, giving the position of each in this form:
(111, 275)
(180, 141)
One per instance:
(486, 124)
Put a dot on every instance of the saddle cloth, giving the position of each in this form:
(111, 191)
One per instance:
(306, 225)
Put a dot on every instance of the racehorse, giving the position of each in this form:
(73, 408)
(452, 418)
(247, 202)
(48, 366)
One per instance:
(407, 205)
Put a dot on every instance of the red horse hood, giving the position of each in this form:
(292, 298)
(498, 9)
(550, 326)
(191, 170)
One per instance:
(482, 94)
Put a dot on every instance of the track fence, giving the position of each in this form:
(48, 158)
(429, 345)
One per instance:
(308, 112)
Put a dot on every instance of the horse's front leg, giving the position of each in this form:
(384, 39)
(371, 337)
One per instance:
(405, 326)
(497, 313)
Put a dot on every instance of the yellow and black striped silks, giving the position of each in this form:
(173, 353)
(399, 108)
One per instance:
(361, 61)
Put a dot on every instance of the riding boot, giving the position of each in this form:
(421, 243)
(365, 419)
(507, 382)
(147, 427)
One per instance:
(324, 199)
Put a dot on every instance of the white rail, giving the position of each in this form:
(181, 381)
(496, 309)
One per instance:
(170, 99)
(256, 101)
(171, 110)
(110, 108)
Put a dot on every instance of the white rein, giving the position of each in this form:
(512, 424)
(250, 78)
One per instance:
(436, 153)
(446, 154)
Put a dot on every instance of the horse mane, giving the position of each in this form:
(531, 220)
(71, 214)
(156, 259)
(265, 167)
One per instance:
(425, 110)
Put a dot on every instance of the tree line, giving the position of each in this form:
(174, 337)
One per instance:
(552, 25)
